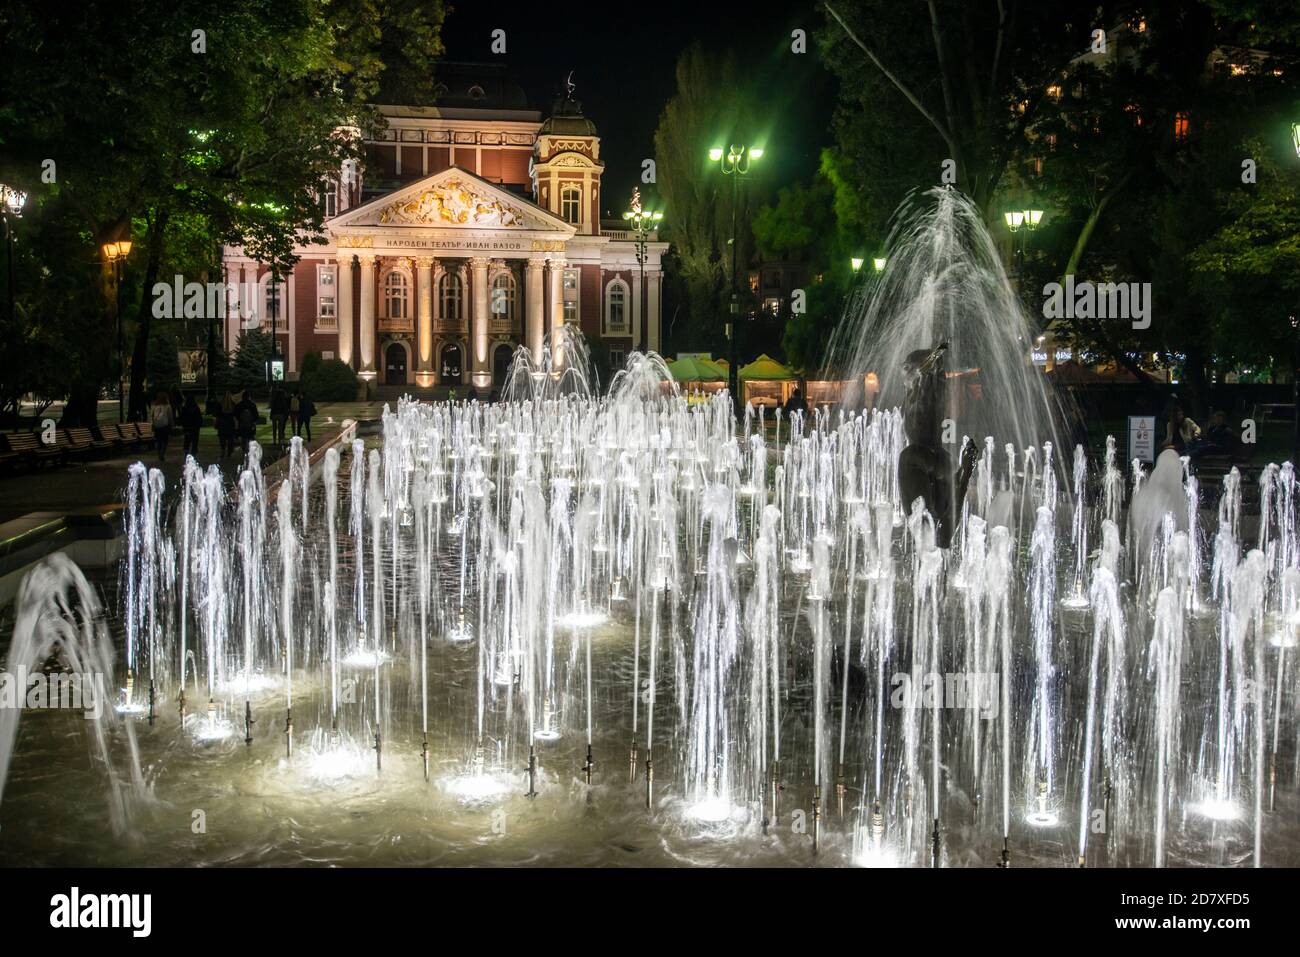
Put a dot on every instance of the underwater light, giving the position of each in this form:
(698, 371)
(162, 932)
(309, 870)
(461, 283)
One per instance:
(546, 734)
(1217, 809)
(208, 728)
(714, 810)
(364, 658)
(1077, 600)
(471, 787)
(1043, 818)
(245, 684)
(582, 619)
(337, 762)
(875, 857)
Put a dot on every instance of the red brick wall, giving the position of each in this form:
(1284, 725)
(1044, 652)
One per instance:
(514, 167)
(591, 305)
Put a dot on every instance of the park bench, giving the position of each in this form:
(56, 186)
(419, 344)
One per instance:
(30, 448)
(72, 448)
(145, 430)
(86, 437)
(130, 432)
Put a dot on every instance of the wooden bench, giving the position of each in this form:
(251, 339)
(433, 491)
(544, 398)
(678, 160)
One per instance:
(87, 438)
(130, 433)
(145, 430)
(32, 449)
(72, 449)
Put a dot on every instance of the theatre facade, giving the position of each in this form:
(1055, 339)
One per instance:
(471, 228)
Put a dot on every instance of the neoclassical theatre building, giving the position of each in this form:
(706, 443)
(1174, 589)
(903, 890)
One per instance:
(473, 227)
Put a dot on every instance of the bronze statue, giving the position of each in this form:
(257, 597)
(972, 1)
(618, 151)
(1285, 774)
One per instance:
(924, 467)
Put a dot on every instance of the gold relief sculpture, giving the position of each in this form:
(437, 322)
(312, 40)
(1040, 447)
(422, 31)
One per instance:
(455, 204)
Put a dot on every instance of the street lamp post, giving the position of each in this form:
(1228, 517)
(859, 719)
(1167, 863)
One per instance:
(273, 307)
(734, 162)
(11, 208)
(644, 222)
(115, 254)
(1021, 222)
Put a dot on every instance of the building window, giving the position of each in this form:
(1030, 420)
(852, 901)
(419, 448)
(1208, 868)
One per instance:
(272, 290)
(329, 199)
(772, 306)
(326, 303)
(396, 295)
(450, 295)
(1182, 125)
(571, 204)
(503, 297)
(569, 289)
(616, 359)
(616, 318)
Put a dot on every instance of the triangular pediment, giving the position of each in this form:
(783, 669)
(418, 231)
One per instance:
(452, 199)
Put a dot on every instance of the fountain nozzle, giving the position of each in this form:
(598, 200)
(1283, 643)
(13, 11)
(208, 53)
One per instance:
(180, 703)
(631, 766)
(532, 771)
(839, 788)
(248, 723)
(1005, 861)
(288, 732)
(589, 765)
(424, 755)
(379, 752)
(649, 783)
(936, 844)
(817, 818)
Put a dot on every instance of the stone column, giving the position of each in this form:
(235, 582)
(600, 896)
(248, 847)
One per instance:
(367, 261)
(535, 328)
(555, 277)
(652, 281)
(480, 369)
(343, 303)
(424, 322)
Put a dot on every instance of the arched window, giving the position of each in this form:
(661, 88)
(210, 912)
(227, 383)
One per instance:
(450, 295)
(397, 295)
(502, 304)
(571, 204)
(616, 317)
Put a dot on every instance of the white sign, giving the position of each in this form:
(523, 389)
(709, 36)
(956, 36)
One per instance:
(1142, 438)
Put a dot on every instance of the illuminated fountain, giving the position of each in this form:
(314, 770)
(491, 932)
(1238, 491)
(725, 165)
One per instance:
(405, 644)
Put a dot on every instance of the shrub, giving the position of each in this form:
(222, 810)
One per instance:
(328, 380)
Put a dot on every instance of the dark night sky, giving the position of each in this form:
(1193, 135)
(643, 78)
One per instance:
(623, 56)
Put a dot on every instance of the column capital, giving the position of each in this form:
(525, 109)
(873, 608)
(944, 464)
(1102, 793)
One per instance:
(479, 262)
(424, 262)
(365, 256)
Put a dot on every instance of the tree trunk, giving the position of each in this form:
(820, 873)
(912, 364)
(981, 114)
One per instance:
(82, 408)
(140, 354)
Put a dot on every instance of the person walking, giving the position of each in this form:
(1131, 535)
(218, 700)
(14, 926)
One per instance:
(191, 423)
(293, 412)
(306, 409)
(279, 414)
(225, 420)
(160, 415)
(246, 417)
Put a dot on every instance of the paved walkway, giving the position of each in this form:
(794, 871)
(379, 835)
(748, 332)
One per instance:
(102, 481)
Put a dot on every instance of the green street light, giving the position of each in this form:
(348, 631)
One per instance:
(1295, 137)
(856, 262)
(644, 223)
(736, 165)
(1015, 219)
(879, 263)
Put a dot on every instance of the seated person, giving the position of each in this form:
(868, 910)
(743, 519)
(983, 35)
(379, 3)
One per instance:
(1180, 432)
